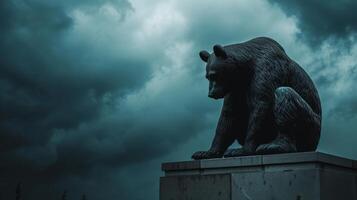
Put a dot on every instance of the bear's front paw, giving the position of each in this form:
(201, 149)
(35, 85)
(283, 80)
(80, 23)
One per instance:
(273, 148)
(199, 155)
(236, 153)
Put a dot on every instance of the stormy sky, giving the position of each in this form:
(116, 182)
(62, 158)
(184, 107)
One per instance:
(96, 94)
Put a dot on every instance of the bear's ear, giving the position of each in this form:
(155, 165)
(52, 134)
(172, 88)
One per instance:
(219, 51)
(204, 55)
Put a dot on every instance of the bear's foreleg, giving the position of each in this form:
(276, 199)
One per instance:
(224, 137)
(256, 127)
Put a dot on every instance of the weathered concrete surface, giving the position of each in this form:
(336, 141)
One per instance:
(296, 176)
(208, 187)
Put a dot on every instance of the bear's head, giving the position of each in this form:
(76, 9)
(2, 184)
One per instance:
(220, 71)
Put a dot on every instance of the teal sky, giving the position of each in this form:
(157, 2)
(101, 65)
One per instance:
(96, 94)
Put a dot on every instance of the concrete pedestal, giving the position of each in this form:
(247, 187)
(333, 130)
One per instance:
(294, 176)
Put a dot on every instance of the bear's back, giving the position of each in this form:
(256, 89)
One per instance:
(255, 47)
(294, 76)
(301, 82)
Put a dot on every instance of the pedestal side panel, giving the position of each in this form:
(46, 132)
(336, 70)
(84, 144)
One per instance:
(338, 184)
(196, 187)
(278, 185)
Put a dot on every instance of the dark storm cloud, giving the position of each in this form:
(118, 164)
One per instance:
(319, 19)
(47, 84)
(64, 93)
(94, 88)
(95, 94)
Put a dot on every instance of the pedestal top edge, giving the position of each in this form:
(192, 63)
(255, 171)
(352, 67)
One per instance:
(260, 160)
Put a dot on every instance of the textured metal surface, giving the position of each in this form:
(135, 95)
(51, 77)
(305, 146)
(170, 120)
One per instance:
(270, 103)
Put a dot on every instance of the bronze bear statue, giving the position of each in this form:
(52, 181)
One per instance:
(270, 103)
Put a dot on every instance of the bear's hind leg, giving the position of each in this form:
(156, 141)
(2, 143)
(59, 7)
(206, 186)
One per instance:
(297, 124)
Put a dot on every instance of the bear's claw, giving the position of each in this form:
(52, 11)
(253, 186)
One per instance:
(206, 155)
(236, 153)
(280, 145)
